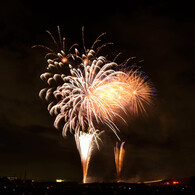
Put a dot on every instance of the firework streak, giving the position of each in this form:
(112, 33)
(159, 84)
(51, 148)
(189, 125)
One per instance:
(84, 143)
(119, 156)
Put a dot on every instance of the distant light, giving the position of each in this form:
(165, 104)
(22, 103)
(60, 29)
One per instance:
(167, 183)
(175, 182)
(129, 188)
(59, 180)
(12, 178)
(149, 182)
(5, 187)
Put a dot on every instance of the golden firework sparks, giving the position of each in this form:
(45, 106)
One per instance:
(119, 154)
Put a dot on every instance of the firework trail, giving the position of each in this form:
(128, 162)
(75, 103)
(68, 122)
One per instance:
(96, 91)
(84, 142)
(119, 154)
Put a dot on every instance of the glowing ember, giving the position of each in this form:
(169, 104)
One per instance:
(64, 60)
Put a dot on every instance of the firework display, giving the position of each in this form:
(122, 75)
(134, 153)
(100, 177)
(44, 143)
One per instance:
(96, 91)
(84, 142)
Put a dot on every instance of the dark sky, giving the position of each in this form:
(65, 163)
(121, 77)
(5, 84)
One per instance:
(158, 145)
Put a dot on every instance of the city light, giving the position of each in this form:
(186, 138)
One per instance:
(175, 182)
(60, 180)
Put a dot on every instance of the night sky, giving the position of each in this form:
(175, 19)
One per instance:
(158, 145)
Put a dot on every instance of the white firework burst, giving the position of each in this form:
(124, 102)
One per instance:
(94, 92)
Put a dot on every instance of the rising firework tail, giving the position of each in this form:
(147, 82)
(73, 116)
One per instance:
(119, 154)
(84, 142)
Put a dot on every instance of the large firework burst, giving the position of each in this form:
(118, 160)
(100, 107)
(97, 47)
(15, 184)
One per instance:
(96, 91)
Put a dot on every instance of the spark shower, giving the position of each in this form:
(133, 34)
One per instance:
(94, 93)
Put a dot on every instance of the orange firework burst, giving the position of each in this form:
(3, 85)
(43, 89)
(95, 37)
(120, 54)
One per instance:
(127, 92)
(138, 91)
